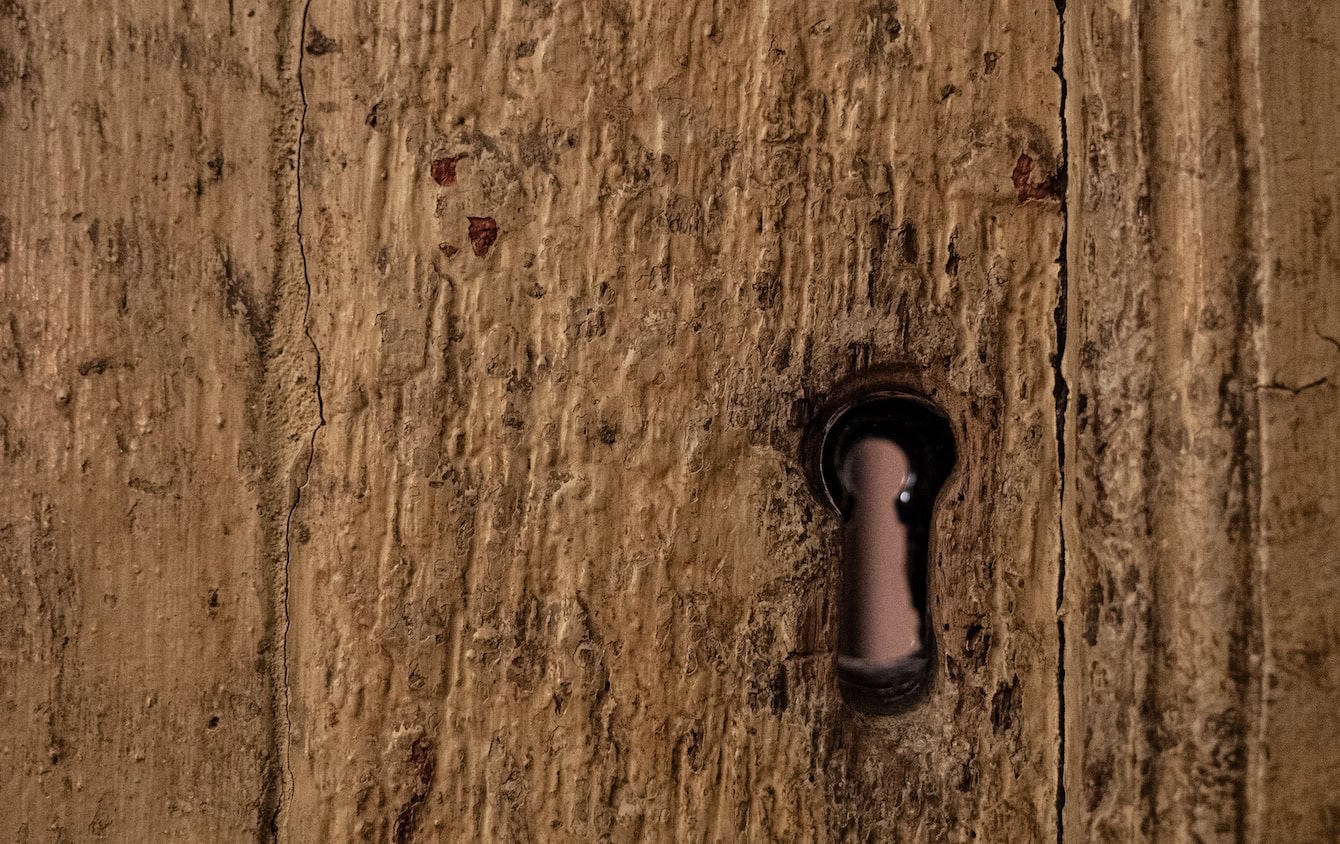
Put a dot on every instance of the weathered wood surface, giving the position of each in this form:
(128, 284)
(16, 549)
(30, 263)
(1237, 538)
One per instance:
(1202, 531)
(151, 352)
(558, 576)
(399, 407)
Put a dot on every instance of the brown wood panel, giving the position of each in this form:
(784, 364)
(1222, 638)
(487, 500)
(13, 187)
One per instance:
(1295, 767)
(148, 307)
(1202, 571)
(556, 573)
(525, 552)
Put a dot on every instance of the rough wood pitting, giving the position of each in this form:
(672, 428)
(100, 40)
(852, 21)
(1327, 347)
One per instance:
(524, 551)
(559, 544)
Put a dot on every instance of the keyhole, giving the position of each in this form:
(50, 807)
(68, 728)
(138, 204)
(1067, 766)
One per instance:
(880, 622)
(879, 458)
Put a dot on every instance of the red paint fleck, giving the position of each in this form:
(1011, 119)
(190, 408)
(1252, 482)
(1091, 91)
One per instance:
(444, 169)
(483, 232)
(447, 249)
(1026, 190)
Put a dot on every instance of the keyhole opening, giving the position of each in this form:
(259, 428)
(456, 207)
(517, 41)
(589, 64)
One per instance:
(880, 458)
(880, 622)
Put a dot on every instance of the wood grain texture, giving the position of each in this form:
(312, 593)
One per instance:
(151, 357)
(556, 575)
(524, 553)
(1295, 778)
(1202, 570)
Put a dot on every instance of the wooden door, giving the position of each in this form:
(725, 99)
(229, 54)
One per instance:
(400, 408)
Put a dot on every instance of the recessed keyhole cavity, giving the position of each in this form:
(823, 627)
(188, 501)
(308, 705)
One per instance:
(880, 622)
(879, 458)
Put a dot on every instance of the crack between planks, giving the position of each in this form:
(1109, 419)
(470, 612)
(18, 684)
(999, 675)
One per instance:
(287, 769)
(1061, 393)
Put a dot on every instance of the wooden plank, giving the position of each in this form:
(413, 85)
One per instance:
(1201, 660)
(149, 309)
(1295, 766)
(557, 574)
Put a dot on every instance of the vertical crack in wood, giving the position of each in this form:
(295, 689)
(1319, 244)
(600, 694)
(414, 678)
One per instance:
(1247, 644)
(285, 780)
(1061, 392)
(1252, 136)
